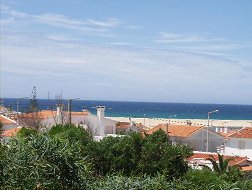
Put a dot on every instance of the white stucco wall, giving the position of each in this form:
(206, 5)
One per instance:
(91, 120)
(232, 147)
(197, 141)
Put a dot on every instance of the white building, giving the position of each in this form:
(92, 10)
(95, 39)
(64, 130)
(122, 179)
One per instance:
(97, 124)
(193, 136)
(239, 143)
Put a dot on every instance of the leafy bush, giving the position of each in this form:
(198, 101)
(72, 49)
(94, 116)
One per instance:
(72, 133)
(115, 154)
(133, 154)
(44, 163)
(158, 155)
(25, 133)
(159, 182)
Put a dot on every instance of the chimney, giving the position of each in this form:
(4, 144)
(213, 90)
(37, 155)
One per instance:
(59, 110)
(225, 130)
(100, 114)
(131, 122)
(217, 129)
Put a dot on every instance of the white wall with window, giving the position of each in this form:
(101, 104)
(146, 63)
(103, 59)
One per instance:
(239, 147)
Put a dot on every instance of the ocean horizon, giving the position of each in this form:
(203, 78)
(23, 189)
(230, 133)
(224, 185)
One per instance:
(145, 109)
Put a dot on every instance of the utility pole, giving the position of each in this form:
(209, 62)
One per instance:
(208, 118)
(70, 108)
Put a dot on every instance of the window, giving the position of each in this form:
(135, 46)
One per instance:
(241, 144)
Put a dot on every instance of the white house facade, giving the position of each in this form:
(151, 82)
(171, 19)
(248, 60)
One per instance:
(193, 136)
(239, 143)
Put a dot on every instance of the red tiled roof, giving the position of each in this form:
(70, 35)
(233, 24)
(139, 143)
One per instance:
(176, 130)
(50, 113)
(246, 132)
(235, 159)
(11, 132)
(226, 135)
(122, 125)
(5, 120)
(246, 168)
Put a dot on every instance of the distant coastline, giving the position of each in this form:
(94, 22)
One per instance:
(148, 109)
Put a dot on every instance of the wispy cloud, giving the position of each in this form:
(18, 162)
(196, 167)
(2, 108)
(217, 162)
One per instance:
(205, 44)
(60, 20)
(70, 65)
(108, 23)
(165, 37)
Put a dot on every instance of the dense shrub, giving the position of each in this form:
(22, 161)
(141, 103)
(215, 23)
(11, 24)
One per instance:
(158, 155)
(44, 163)
(72, 133)
(159, 182)
(133, 154)
(116, 154)
(26, 133)
(66, 157)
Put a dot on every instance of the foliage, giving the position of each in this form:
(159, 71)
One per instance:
(133, 154)
(26, 133)
(1, 127)
(66, 157)
(33, 102)
(158, 155)
(115, 154)
(159, 182)
(72, 133)
(222, 167)
(2, 158)
(45, 163)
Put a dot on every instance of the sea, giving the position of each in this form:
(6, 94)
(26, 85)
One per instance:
(144, 109)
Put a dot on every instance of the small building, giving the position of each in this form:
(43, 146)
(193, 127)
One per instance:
(193, 136)
(7, 123)
(199, 159)
(239, 143)
(128, 127)
(97, 124)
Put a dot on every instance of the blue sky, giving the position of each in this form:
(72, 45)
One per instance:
(163, 50)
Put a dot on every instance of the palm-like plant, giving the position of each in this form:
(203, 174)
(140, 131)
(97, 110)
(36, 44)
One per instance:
(222, 165)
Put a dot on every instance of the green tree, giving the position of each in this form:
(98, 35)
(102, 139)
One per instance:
(221, 165)
(159, 156)
(33, 102)
(116, 154)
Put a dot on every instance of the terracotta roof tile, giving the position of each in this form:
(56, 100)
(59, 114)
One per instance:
(176, 130)
(122, 125)
(226, 135)
(243, 133)
(49, 113)
(246, 168)
(5, 120)
(11, 132)
(235, 159)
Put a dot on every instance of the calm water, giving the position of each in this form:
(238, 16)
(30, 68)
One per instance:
(149, 109)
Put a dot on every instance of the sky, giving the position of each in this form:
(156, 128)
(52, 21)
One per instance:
(136, 50)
